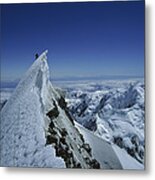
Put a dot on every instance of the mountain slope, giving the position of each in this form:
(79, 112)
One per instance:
(101, 150)
(114, 111)
(36, 129)
(126, 160)
(110, 156)
(22, 123)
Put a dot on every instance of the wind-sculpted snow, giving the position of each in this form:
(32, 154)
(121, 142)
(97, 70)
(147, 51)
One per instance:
(22, 136)
(113, 110)
(36, 127)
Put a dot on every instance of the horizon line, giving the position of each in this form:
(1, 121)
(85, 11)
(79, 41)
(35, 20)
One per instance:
(78, 77)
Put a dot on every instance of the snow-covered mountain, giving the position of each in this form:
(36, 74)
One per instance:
(113, 110)
(38, 128)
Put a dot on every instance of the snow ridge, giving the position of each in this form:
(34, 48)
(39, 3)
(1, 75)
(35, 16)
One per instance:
(22, 136)
(36, 127)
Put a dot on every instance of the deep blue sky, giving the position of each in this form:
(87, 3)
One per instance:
(83, 39)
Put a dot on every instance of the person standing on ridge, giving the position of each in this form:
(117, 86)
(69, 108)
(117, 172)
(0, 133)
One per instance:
(36, 56)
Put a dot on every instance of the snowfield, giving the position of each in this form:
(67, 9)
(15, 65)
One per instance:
(109, 155)
(101, 150)
(112, 109)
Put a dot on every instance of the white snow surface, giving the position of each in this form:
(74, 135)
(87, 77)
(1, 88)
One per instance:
(22, 124)
(113, 109)
(127, 161)
(101, 150)
(109, 108)
(5, 94)
(110, 156)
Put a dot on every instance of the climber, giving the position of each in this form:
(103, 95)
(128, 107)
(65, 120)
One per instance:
(36, 56)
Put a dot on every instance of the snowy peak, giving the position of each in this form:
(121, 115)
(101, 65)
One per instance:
(22, 136)
(36, 77)
(36, 127)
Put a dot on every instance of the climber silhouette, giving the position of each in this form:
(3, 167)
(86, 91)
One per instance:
(36, 56)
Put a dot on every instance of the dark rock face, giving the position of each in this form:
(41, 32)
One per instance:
(67, 145)
(95, 164)
(118, 141)
(62, 103)
(87, 147)
(133, 150)
(2, 104)
(91, 124)
(51, 139)
(53, 113)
